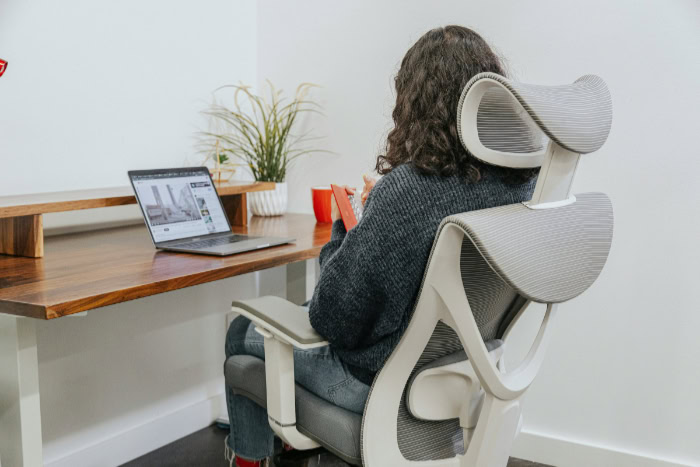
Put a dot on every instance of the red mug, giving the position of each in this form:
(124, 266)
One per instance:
(321, 197)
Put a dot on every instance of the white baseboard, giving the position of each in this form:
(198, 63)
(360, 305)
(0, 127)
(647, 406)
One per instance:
(142, 439)
(560, 452)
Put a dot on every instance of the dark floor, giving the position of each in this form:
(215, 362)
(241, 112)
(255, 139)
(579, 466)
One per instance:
(205, 448)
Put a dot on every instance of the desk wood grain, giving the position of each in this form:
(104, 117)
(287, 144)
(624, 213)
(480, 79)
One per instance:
(42, 203)
(89, 270)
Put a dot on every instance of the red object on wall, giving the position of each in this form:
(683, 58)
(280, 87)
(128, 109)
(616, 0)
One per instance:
(3, 66)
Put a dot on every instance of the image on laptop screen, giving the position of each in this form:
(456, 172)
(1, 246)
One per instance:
(179, 204)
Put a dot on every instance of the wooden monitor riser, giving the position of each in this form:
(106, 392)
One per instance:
(21, 223)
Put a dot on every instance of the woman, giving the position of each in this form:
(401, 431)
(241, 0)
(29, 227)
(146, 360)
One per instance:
(370, 276)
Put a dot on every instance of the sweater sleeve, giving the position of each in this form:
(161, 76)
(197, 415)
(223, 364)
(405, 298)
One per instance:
(364, 272)
(337, 236)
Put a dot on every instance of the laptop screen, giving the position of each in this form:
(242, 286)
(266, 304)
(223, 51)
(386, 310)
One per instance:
(179, 203)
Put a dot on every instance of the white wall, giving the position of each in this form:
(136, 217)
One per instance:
(621, 379)
(92, 90)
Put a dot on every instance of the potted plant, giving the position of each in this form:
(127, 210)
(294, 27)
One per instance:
(258, 131)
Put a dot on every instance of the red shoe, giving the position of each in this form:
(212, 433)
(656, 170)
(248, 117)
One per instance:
(246, 463)
(239, 462)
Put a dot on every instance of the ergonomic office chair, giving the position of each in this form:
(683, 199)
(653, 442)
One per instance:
(444, 397)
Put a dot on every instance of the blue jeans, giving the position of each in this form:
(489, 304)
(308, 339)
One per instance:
(318, 370)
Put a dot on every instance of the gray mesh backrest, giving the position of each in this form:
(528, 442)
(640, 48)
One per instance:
(492, 302)
(545, 255)
(489, 297)
(511, 254)
(428, 440)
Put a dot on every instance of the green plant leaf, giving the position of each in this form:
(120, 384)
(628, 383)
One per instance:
(259, 131)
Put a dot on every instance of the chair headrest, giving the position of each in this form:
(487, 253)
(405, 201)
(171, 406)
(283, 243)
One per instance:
(506, 123)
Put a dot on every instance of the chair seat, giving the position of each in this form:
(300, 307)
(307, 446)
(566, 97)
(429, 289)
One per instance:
(335, 428)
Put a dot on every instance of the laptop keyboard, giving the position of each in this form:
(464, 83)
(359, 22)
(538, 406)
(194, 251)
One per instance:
(214, 242)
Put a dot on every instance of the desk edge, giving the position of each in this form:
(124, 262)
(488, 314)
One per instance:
(69, 307)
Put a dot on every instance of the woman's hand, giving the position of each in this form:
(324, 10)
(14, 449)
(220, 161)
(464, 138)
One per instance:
(335, 212)
(369, 184)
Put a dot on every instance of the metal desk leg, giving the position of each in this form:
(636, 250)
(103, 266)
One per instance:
(296, 282)
(20, 416)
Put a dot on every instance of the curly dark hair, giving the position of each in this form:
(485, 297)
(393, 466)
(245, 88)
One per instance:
(428, 85)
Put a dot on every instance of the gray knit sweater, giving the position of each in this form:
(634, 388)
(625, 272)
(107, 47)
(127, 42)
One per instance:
(370, 276)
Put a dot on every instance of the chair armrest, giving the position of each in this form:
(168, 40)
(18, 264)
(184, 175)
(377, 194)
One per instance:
(284, 326)
(283, 319)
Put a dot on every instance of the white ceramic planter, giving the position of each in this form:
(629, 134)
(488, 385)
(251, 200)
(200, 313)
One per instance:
(269, 203)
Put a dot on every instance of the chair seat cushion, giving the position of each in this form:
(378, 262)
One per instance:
(337, 429)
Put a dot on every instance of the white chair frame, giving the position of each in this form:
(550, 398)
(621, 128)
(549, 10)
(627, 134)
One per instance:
(443, 299)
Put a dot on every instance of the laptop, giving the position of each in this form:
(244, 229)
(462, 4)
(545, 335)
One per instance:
(183, 212)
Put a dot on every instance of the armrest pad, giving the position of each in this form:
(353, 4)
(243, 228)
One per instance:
(284, 319)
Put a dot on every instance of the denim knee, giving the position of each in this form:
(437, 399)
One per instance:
(235, 336)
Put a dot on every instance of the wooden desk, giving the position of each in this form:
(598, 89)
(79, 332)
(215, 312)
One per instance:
(84, 271)
(88, 270)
